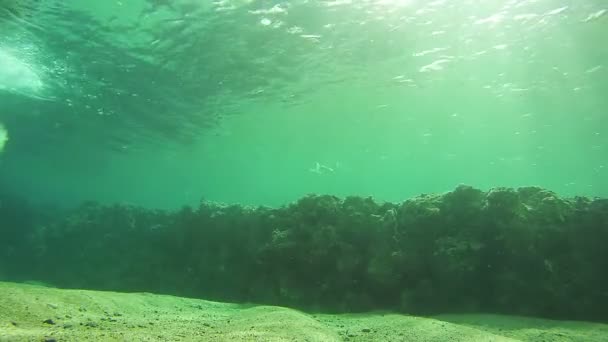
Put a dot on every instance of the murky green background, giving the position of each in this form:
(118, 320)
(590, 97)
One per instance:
(160, 103)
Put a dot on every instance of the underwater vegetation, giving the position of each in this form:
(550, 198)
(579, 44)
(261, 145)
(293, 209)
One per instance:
(521, 251)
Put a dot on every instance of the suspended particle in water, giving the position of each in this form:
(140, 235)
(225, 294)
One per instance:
(3, 137)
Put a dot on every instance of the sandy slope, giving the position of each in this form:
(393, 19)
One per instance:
(107, 316)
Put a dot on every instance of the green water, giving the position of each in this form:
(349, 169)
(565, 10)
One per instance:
(160, 103)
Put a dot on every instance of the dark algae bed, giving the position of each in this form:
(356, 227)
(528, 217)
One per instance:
(523, 251)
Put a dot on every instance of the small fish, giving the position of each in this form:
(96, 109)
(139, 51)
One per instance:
(321, 169)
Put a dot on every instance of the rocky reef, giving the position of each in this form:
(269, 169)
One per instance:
(520, 251)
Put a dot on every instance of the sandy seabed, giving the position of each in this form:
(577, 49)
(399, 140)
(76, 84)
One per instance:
(39, 313)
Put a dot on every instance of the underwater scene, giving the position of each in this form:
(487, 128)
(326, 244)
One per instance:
(304, 170)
